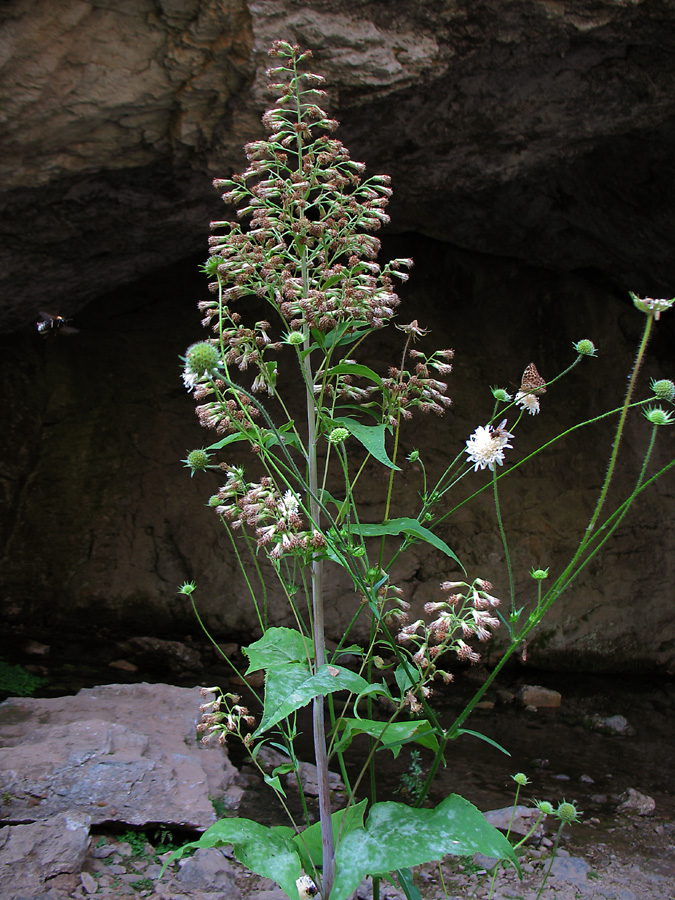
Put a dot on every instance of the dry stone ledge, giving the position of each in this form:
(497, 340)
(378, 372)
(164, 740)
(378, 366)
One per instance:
(119, 753)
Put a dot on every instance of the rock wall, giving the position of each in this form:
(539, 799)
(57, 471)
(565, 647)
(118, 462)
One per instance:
(102, 522)
(535, 128)
(530, 144)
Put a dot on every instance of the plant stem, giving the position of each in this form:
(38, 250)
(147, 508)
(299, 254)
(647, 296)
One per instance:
(619, 429)
(318, 718)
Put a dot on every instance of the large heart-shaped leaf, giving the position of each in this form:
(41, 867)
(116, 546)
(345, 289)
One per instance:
(263, 850)
(397, 836)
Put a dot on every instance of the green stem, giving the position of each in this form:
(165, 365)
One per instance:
(507, 557)
(619, 429)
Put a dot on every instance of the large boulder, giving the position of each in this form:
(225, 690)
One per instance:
(116, 753)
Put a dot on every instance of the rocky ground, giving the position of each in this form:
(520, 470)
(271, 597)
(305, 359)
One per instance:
(96, 789)
(630, 858)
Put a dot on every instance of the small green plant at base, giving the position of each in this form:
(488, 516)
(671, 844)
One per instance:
(412, 781)
(17, 682)
(302, 243)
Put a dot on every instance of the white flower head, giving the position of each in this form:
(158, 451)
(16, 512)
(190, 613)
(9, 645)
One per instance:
(528, 401)
(288, 504)
(486, 445)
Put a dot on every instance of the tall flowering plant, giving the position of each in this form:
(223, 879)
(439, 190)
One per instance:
(302, 242)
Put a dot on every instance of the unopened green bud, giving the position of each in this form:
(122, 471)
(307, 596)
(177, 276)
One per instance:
(413, 456)
(585, 347)
(500, 394)
(338, 435)
(202, 358)
(214, 500)
(187, 588)
(295, 338)
(658, 416)
(544, 807)
(663, 389)
(539, 574)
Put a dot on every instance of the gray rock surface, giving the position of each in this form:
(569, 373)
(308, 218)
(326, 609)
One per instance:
(119, 753)
(33, 855)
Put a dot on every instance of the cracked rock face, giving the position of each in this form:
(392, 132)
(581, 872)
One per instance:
(535, 129)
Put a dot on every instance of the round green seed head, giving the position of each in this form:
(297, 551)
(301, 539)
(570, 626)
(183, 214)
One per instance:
(585, 347)
(544, 807)
(198, 459)
(520, 779)
(202, 357)
(539, 574)
(338, 435)
(500, 394)
(214, 500)
(567, 812)
(658, 416)
(663, 389)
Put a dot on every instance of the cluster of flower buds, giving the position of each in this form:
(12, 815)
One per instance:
(465, 613)
(216, 722)
(404, 391)
(261, 507)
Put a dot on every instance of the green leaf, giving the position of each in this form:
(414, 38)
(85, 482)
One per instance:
(277, 647)
(483, 737)
(403, 679)
(396, 734)
(372, 438)
(409, 527)
(262, 850)
(397, 836)
(355, 369)
(275, 784)
(308, 843)
(292, 686)
(405, 879)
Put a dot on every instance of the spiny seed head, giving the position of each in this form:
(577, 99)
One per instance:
(567, 812)
(520, 779)
(214, 500)
(658, 416)
(544, 807)
(585, 347)
(500, 394)
(663, 389)
(197, 460)
(201, 358)
(295, 338)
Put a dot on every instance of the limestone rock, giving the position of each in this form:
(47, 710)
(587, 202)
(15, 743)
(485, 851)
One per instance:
(122, 753)
(636, 803)
(32, 855)
(209, 870)
(538, 697)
